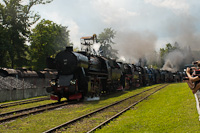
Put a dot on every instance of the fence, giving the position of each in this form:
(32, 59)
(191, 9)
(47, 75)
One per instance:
(16, 89)
(18, 94)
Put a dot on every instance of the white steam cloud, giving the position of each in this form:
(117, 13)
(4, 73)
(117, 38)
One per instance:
(134, 45)
(176, 60)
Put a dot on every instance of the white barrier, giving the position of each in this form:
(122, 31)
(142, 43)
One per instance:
(19, 94)
(17, 89)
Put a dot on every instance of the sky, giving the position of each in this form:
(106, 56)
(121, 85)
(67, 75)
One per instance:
(140, 24)
(166, 19)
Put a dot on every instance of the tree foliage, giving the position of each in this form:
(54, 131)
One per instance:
(3, 47)
(106, 41)
(47, 39)
(168, 48)
(15, 22)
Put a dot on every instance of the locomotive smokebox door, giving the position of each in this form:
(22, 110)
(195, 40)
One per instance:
(49, 89)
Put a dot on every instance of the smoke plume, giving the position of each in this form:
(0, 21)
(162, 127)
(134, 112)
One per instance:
(177, 59)
(183, 30)
(141, 45)
(134, 45)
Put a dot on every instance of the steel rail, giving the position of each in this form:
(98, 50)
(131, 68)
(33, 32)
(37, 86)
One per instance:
(26, 109)
(93, 112)
(121, 112)
(33, 110)
(5, 105)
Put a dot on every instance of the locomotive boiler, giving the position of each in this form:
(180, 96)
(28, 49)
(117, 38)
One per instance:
(86, 75)
(81, 74)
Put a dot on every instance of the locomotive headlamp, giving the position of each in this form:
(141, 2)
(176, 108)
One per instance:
(73, 82)
(53, 83)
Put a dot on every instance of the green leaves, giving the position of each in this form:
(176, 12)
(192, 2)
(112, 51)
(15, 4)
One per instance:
(47, 39)
(168, 48)
(106, 41)
(15, 21)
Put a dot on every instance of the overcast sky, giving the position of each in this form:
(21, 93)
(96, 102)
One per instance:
(155, 21)
(166, 19)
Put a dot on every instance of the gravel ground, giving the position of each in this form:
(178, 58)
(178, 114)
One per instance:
(14, 83)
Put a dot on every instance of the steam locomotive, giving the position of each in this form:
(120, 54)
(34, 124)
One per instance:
(85, 75)
(81, 75)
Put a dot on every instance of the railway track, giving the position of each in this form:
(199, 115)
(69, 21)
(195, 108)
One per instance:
(6, 105)
(98, 111)
(4, 117)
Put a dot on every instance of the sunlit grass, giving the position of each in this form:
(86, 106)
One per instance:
(173, 109)
(23, 99)
(28, 105)
(50, 119)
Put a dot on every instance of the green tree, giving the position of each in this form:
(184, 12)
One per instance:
(47, 39)
(106, 41)
(15, 21)
(168, 48)
(3, 47)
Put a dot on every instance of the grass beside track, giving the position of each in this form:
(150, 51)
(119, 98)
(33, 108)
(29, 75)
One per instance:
(22, 99)
(49, 119)
(173, 109)
(18, 107)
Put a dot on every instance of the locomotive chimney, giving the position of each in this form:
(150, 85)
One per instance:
(69, 48)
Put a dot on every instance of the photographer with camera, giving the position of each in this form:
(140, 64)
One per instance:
(194, 77)
(193, 81)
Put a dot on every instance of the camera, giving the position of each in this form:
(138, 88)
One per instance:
(194, 69)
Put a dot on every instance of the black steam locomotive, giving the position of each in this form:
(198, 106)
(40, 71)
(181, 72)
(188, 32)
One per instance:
(85, 75)
(81, 74)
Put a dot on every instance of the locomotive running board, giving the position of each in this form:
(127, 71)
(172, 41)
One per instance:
(91, 98)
